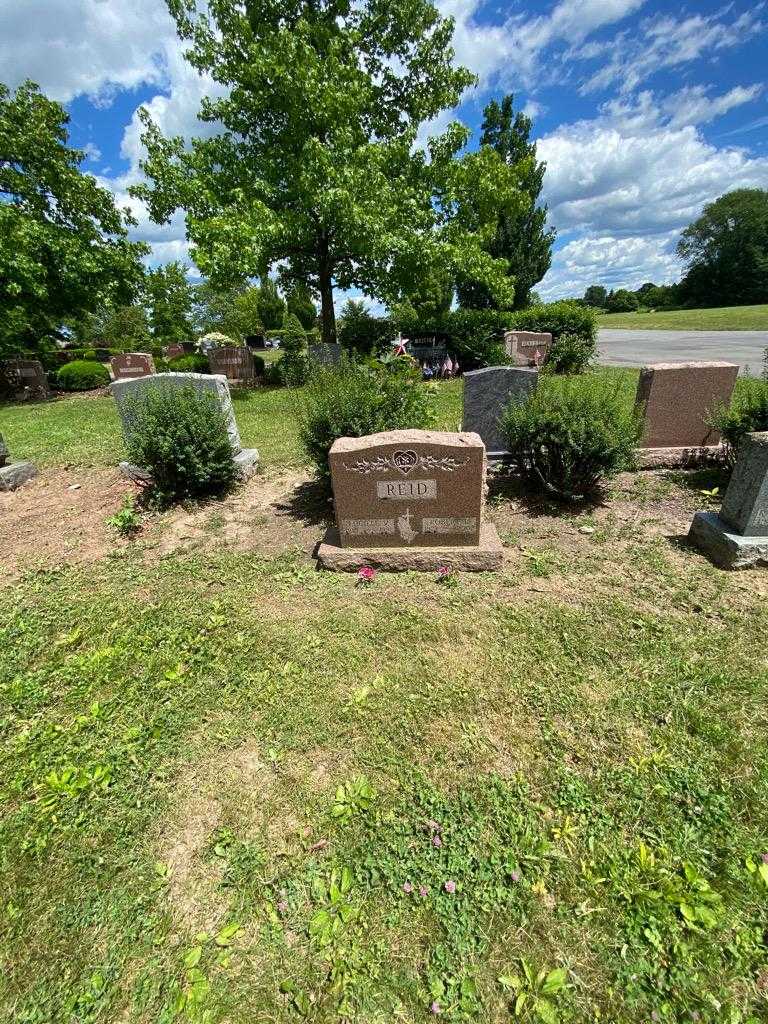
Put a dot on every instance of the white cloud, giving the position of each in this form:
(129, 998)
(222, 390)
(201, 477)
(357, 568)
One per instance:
(694, 105)
(534, 109)
(612, 262)
(92, 152)
(90, 47)
(665, 42)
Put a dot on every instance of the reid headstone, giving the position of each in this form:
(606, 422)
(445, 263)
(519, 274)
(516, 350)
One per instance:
(325, 355)
(738, 537)
(126, 391)
(410, 499)
(235, 362)
(527, 348)
(130, 365)
(487, 393)
(675, 400)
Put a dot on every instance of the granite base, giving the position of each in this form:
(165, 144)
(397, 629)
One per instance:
(487, 557)
(679, 458)
(726, 549)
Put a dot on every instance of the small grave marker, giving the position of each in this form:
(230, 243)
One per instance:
(130, 365)
(235, 362)
(738, 537)
(27, 378)
(410, 499)
(527, 348)
(325, 355)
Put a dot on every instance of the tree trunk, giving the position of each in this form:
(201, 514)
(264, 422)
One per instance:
(328, 314)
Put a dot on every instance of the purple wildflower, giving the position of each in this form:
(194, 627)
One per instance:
(515, 876)
(407, 888)
(423, 891)
(764, 858)
(450, 886)
(437, 841)
(435, 1008)
(282, 906)
(366, 574)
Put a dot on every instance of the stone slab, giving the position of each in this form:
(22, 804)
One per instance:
(487, 393)
(745, 504)
(235, 362)
(15, 474)
(246, 463)
(527, 348)
(131, 365)
(726, 549)
(488, 556)
(125, 390)
(325, 355)
(27, 378)
(676, 398)
(679, 458)
(409, 488)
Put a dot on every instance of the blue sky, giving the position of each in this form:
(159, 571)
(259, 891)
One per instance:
(644, 111)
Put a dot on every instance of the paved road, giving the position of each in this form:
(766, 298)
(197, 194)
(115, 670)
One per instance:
(636, 348)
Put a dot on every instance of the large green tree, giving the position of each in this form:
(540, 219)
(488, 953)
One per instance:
(521, 237)
(64, 248)
(310, 161)
(726, 251)
(170, 299)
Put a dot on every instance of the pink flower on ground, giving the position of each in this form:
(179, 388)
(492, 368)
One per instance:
(366, 574)
(515, 876)
(423, 891)
(450, 886)
(407, 888)
(764, 858)
(437, 841)
(435, 1008)
(282, 906)
(443, 572)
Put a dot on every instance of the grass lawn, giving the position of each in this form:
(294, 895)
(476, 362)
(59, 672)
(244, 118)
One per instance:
(237, 790)
(729, 318)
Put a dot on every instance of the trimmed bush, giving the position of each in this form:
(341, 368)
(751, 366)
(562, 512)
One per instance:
(572, 433)
(180, 436)
(352, 400)
(570, 354)
(190, 364)
(83, 375)
(291, 370)
(747, 412)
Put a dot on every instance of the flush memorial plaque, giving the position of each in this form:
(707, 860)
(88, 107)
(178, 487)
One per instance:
(410, 499)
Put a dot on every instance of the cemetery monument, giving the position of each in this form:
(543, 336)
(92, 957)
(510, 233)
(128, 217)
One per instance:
(410, 499)
(527, 348)
(26, 378)
(487, 393)
(738, 537)
(130, 365)
(235, 362)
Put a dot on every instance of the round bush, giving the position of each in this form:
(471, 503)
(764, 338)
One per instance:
(351, 400)
(83, 375)
(572, 433)
(189, 364)
(747, 412)
(570, 353)
(180, 435)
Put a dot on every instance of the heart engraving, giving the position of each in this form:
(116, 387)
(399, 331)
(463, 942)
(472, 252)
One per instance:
(405, 461)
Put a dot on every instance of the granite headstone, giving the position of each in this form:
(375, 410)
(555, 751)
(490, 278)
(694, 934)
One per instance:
(130, 365)
(487, 393)
(325, 355)
(27, 378)
(738, 537)
(527, 348)
(415, 494)
(235, 362)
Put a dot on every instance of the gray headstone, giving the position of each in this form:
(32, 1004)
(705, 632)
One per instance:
(487, 393)
(745, 505)
(325, 355)
(214, 384)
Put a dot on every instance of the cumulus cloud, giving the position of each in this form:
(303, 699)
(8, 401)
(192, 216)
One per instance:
(83, 47)
(612, 262)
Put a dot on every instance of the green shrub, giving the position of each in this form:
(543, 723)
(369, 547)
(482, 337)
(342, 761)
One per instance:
(259, 365)
(292, 369)
(570, 354)
(747, 412)
(572, 433)
(352, 400)
(180, 436)
(83, 375)
(194, 363)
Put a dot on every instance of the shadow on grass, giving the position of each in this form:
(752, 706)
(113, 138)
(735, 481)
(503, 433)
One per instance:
(700, 480)
(310, 502)
(508, 485)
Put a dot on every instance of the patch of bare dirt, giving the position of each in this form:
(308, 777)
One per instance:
(59, 516)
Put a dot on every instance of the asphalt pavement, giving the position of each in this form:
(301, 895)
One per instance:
(638, 348)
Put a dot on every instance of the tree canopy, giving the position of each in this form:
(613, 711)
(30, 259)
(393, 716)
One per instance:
(726, 251)
(520, 235)
(170, 298)
(64, 248)
(311, 160)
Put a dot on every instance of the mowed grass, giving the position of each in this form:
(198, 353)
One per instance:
(727, 318)
(238, 790)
